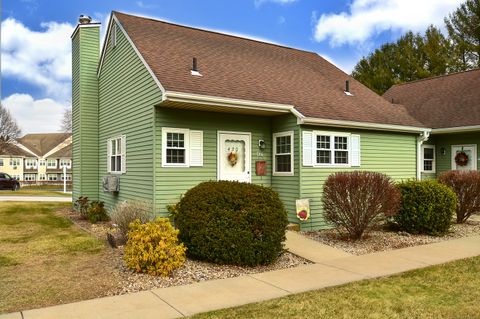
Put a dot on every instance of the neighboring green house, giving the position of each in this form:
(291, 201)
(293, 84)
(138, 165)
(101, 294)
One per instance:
(450, 105)
(164, 107)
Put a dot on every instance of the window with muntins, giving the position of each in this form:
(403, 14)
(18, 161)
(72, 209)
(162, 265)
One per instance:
(176, 151)
(116, 148)
(181, 147)
(332, 149)
(428, 152)
(283, 153)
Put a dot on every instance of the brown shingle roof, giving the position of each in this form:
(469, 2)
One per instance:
(13, 150)
(235, 67)
(41, 144)
(445, 101)
(65, 152)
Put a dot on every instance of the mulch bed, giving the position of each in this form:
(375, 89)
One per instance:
(383, 238)
(192, 271)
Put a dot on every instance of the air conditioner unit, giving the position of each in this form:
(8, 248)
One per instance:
(111, 183)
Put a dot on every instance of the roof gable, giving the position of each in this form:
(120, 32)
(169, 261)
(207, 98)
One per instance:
(245, 69)
(444, 101)
(41, 144)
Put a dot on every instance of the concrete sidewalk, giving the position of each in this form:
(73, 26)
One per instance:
(337, 269)
(35, 199)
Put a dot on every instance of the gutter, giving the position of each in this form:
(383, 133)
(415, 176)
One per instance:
(363, 125)
(457, 129)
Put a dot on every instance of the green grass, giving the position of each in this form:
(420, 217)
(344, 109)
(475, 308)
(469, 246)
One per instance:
(446, 291)
(45, 259)
(34, 192)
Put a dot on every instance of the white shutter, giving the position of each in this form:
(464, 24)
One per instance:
(355, 150)
(109, 154)
(307, 142)
(196, 148)
(124, 153)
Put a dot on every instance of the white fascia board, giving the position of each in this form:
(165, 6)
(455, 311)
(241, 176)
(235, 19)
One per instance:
(458, 129)
(229, 102)
(23, 147)
(89, 25)
(363, 125)
(119, 26)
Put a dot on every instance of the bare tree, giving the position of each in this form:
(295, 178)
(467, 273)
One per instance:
(9, 129)
(66, 124)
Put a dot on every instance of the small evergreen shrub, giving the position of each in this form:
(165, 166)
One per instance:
(81, 206)
(153, 248)
(232, 223)
(357, 201)
(466, 185)
(126, 212)
(96, 212)
(427, 207)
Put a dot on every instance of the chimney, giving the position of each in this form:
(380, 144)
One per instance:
(194, 70)
(85, 58)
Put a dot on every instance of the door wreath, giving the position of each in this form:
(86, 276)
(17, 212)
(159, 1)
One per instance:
(461, 159)
(232, 158)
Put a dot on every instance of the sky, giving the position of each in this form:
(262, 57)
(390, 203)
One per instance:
(36, 48)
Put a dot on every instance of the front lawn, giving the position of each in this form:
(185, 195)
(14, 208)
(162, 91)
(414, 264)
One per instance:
(34, 192)
(46, 260)
(446, 291)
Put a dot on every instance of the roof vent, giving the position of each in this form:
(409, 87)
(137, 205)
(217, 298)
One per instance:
(347, 88)
(194, 69)
(84, 19)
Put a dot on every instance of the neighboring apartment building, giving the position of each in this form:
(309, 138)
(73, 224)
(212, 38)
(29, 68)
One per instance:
(39, 157)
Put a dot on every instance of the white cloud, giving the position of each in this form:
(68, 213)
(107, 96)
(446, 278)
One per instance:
(144, 5)
(282, 2)
(367, 18)
(35, 116)
(41, 58)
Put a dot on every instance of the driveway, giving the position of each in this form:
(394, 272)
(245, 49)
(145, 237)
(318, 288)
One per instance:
(35, 199)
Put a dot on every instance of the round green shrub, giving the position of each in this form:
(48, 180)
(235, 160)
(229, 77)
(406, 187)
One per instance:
(232, 223)
(427, 207)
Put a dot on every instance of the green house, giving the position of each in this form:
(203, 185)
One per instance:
(163, 107)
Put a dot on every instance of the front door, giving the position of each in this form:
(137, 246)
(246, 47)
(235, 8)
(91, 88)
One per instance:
(234, 158)
(471, 157)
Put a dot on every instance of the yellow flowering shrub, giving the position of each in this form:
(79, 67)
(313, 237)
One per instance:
(153, 247)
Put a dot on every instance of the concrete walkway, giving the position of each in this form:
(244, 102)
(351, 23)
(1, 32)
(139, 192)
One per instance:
(35, 199)
(335, 268)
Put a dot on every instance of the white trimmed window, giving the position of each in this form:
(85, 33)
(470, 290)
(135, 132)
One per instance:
(29, 177)
(52, 177)
(114, 35)
(15, 162)
(69, 177)
(65, 163)
(181, 147)
(283, 153)
(30, 163)
(330, 149)
(42, 177)
(1, 161)
(117, 155)
(428, 157)
(41, 162)
(52, 163)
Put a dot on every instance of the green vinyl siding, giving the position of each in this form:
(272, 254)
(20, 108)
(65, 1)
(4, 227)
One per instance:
(444, 162)
(393, 154)
(172, 182)
(127, 97)
(288, 186)
(85, 52)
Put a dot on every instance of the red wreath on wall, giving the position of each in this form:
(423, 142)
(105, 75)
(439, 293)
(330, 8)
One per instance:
(461, 159)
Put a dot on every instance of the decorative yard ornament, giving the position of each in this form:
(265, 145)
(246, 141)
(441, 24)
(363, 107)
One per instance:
(461, 159)
(232, 158)
(303, 209)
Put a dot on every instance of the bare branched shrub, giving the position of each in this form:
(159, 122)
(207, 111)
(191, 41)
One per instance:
(357, 201)
(466, 185)
(126, 212)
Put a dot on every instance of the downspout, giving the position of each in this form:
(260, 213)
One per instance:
(420, 140)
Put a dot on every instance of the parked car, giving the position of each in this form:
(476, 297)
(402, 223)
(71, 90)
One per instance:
(8, 182)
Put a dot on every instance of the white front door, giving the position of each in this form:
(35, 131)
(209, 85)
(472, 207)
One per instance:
(470, 151)
(234, 158)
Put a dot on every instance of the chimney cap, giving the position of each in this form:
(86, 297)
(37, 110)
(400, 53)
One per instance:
(84, 19)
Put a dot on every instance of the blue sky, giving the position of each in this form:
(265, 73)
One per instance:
(35, 47)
